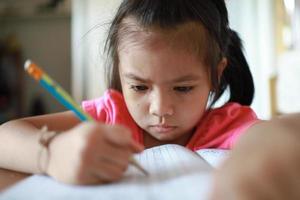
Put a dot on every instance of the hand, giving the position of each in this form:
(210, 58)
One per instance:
(265, 164)
(91, 153)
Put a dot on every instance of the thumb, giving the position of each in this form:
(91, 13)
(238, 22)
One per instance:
(136, 147)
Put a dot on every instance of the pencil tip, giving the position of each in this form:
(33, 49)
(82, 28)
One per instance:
(27, 64)
(140, 168)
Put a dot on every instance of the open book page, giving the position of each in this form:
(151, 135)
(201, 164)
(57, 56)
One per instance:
(214, 157)
(175, 173)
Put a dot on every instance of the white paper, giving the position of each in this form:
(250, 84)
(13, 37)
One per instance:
(215, 157)
(175, 173)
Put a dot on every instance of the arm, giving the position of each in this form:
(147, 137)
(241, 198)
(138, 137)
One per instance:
(264, 164)
(19, 146)
(83, 153)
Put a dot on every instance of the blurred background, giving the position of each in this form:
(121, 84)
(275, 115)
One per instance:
(66, 38)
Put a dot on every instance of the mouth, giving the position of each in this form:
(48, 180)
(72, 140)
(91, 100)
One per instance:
(162, 128)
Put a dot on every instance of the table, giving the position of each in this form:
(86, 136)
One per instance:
(9, 178)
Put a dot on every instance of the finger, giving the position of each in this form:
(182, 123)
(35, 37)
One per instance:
(117, 135)
(131, 145)
(118, 157)
(89, 178)
(107, 171)
(122, 137)
(115, 154)
(136, 147)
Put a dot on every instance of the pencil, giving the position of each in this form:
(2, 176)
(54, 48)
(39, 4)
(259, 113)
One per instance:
(64, 98)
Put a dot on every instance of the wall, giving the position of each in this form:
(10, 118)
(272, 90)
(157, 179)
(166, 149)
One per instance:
(46, 40)
(89, 28)
(253, 20)
(288, 82)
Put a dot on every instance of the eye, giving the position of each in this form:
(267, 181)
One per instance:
(139, 88)
(184, 89)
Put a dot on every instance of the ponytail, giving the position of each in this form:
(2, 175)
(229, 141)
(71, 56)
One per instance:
(237, 74)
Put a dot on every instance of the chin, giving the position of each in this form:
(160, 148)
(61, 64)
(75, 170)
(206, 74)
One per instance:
(164, 137)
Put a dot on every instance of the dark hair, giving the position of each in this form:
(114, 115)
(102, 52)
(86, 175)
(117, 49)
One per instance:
(221, 40)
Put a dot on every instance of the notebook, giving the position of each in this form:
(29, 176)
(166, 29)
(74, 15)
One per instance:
(175, 173)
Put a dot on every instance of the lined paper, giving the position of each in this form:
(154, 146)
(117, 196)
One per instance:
(167, 161)
(175, 173)
(214, 157)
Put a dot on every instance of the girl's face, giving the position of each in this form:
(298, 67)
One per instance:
(165, 89)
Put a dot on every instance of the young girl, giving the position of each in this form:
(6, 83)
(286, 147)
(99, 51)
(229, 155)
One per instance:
(170, 62)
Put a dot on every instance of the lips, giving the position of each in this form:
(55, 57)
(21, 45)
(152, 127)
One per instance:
(162, 128)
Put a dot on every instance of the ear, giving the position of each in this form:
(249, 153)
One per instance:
(221, 66)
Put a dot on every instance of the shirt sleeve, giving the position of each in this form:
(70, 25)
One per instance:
(240, 119)
(111, 109)
(235, 135)
(96, 108)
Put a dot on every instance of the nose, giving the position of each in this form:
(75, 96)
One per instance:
(161, 104)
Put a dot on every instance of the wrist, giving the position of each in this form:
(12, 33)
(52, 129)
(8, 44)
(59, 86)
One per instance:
(46, 138)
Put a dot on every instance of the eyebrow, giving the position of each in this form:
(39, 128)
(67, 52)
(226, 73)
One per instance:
(189, 77)
(135, 77)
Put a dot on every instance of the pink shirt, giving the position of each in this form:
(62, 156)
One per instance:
(219, 128)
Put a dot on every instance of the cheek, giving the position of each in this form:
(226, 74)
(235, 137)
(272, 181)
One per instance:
(136, 104)
(192, 111)
(194, 107)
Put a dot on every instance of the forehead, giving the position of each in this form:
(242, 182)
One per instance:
(161, 55)
(189, 37)
(159, 63)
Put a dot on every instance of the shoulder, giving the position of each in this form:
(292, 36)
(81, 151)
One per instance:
(231, 118)
(106, 107)
(111, 109)
(220, 127)
(232, 111)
